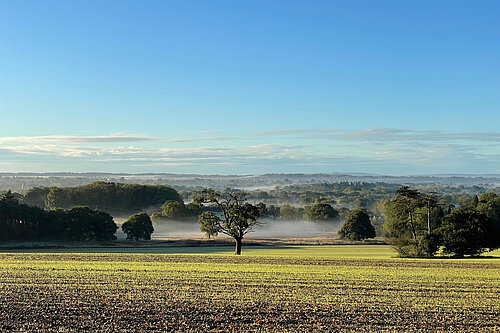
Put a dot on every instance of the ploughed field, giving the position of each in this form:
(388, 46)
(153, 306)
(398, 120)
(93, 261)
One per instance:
(297, 289)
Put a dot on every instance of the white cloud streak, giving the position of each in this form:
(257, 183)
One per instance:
(296, 131)
(399, 135)
(112, 138)
(367, 149)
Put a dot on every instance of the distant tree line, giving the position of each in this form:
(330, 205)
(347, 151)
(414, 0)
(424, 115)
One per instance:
(22, 222)
(104, 196)
(417, 223)
(284, 202)
(178, 211)
(290, 202)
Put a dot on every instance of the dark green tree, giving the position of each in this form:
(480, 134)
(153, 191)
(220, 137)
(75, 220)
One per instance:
(12, 196)
(111, 196)
(84, 224)
(474, 201)
(489, 205)
(431, 241)
(138, 226)
(466, 231)
(59, 226)
(410, 198)
(237, 217)
(263, 212)
(321, 212)
(357, 226)
(19, 221)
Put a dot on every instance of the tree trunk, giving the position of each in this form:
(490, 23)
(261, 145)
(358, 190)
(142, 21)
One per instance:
(239, 243)
(410, 213)
(429, 228)
(414, 233)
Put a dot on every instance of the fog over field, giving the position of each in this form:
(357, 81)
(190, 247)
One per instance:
(270, 228)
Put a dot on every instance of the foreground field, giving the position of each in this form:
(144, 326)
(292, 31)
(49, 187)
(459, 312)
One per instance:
(323, 288)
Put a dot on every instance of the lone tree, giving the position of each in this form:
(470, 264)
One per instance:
(357, 226)
(138, 226)
(236, 219)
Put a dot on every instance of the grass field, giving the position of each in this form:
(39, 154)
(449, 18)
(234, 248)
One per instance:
(293, 288)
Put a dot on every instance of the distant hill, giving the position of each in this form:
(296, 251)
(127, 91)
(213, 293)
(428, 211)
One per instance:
(21, 182)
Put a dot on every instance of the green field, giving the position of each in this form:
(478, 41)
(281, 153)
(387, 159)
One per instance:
(293, 288)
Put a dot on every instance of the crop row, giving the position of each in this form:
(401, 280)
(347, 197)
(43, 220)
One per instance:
(123, 292)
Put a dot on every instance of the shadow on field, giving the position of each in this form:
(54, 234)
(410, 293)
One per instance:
(144, 247)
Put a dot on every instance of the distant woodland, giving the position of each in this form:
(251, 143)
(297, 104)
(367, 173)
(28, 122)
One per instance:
(113, 197)
(412, 218)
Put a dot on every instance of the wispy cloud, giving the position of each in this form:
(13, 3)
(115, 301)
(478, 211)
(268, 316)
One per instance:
(398, 135)
(382, 135)
(296, 131)
(148, 153)
(75, 139)
(112, 138)
(209, 132)
(368, 150)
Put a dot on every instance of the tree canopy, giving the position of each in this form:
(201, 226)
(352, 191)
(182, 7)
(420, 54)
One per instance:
(87, 224)
(357, 226)
(110, 196)
(178, 211)
(138, 226)
(416, 224)
(489, 205)
(19, 221)
(321, 212)
(467, 231)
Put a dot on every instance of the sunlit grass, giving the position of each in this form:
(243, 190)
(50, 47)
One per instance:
(309, 251)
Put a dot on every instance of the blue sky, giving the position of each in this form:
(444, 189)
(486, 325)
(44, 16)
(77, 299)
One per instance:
(245, 87)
